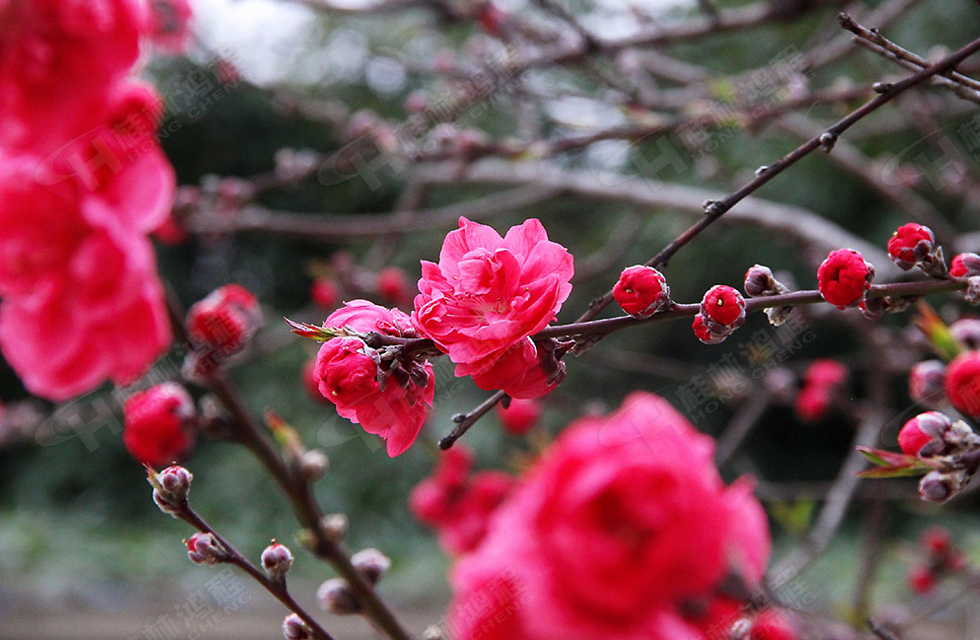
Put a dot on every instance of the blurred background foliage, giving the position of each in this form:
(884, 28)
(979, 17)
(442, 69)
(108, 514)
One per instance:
(76, 521)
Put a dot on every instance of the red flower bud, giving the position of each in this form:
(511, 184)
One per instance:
(641, 291)
(825, 373)
(393, 285)
(911, 244)
(921, 580)
(844, 278)
(962, 383)
(965, 265)
(759, 281)
(158, 423)
(704, 333)
(325, 294)
(924, 431)
(812, 403)
(772, 625)
(519, 416)
(724, 306)
(224, 320)
(170, 489)
(926, 381)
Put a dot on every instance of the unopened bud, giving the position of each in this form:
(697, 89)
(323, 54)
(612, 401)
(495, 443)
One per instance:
(965, 265)
(203, 548)
(335, 526)
(372, 564)
(335, 596)
(170, 489)
(936, 487)
(926, 381)
(276, 560)
(759, 281)
(967, 331)
(972, 293)
(293, 628)
(924, 434)
(313, 464)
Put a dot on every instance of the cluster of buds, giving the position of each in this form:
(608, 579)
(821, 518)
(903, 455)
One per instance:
(340, 277)
(844, 278)
(966, 266)
(170, 489)
(277, 560)
(219, 327)
(914, 245)
(159, 424)
(948, 449)
(204, 548)
(642, 291)
(941, 558)
(822, 382)
(760, 282)
(336, 596)
(722, 311)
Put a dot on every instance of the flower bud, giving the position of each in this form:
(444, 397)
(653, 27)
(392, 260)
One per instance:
(293, 628)
(372, 564)
(844, 278)
(314, 464)
(936, 487)
(926, 381)
(170, 489)
(335, 526)
(641, 291)
(741, 629)
(325, 294)
(723, 308)
(157, 424)
(921, 580)
(203, 548)
(937, 541)
(924, 434)
(967, 332)
(759, 281)
(910, 244)
(276, 560)
(335, 596)
(519, 416)
(224, 321)
(962, 383)
(433, 632)
(393, 285)
(812, 403)
(972, 293)
(965, 265)
(705, 334)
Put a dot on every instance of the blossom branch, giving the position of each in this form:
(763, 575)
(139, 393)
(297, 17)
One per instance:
(278, 589)
(298, 489)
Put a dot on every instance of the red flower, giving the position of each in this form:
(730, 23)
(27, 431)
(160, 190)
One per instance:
(520, 372)
(772, 625)
(844, 277)
(157, 427)
(623, 519)
(911, 244)
(922, 580)
(520, 416)
(488, 293)
(641, 291)
(812, 403)
(456, 504)
(704, 332)
(965, 265)
(962, 383)
(825, 372)
(349, 376)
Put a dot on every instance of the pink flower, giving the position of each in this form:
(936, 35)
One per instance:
(521, 371)
(488, 293)
(641, 291)
(157, 426)
(623, 523)
(520, 416)
(224, 321)
(57, 59)
(393, 285)
(388, 398)
(169, 24)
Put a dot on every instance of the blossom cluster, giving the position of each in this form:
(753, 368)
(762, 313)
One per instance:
(83, 180)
